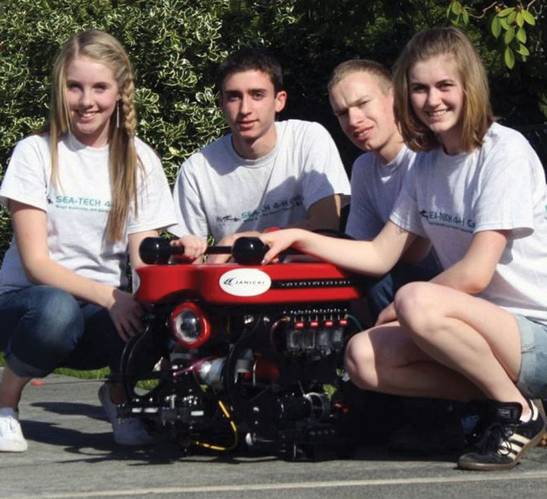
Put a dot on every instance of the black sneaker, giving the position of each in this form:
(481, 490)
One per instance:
(504, 442)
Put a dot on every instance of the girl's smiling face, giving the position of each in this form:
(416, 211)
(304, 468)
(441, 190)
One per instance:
(92, 94)
(437, 97)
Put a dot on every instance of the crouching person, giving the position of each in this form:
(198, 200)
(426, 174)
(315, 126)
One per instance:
(81, 198)
(478, 330)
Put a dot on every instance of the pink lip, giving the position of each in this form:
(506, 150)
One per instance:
(84, 117)
(245, 124)
(443, 113)
(363, 133)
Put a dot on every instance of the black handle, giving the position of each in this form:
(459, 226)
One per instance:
(246, 250)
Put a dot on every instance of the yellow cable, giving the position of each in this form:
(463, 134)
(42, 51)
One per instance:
(207, 445)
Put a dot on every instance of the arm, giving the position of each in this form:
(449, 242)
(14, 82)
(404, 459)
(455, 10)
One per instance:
(325, 185)
(473, 273)
(368, 257)
(30, 228)
(323, 214)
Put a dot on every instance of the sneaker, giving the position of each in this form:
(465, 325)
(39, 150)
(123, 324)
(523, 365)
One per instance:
(505, 440)
(127, 431)
(11, 436)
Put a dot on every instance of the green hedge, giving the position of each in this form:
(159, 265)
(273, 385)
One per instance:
(175, 46)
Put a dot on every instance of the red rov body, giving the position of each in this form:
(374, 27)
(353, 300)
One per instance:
(249, 353)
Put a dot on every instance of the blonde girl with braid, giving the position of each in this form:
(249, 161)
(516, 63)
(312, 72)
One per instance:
(81, 196)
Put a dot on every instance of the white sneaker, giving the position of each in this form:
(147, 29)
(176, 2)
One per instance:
(11, 436)
(127, 431)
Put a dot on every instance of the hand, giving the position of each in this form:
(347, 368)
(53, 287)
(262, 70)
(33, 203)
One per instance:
(194, 247)
(229, 241)
(277, 242)
(389, 314)
(126, 314)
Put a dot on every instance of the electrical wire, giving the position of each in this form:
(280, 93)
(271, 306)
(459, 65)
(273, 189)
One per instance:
(233, 427)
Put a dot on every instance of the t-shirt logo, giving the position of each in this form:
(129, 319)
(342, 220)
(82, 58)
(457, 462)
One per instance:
(266, 210)
(80, 203)
(434, 217)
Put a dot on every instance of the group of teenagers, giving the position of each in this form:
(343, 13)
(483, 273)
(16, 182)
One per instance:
(448, 211)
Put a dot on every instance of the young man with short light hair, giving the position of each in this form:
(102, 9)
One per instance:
(361, 97)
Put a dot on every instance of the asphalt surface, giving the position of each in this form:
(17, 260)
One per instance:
(71, 454)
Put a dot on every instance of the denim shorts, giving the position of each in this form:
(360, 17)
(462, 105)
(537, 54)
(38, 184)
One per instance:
(532, 379)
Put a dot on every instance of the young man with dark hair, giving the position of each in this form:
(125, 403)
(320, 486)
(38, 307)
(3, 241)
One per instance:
(264, 172)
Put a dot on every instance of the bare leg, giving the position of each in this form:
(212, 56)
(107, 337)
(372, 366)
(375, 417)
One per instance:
(386, 359)
(465, 333)
(447, 343)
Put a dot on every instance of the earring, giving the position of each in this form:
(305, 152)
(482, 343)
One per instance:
(118, 114)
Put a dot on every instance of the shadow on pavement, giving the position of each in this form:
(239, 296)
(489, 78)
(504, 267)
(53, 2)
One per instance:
(94, 447)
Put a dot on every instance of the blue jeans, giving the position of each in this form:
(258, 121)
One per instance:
(43, 328)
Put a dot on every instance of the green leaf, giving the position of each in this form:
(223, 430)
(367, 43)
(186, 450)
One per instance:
(509, 35)
(529, 17)
(503, 23)
(505, 12)
(456, 7)
(511, 17)
(509, 57)
(521, 35)
(520, 19)
(465, 16)
(523, 50)
(495, 27)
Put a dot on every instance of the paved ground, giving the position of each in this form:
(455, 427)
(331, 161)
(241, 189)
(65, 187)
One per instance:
(71, 454)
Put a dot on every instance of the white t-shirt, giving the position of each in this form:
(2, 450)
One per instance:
(218, 192)
(375, 187)
(498, 186)
(77, 210)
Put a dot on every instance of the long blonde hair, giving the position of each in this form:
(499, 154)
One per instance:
(476, 113)
(123, 159)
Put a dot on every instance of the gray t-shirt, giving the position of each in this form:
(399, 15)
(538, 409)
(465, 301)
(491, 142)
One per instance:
(375, 187)
(498, 186)
(77, 209)
(218, 192)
